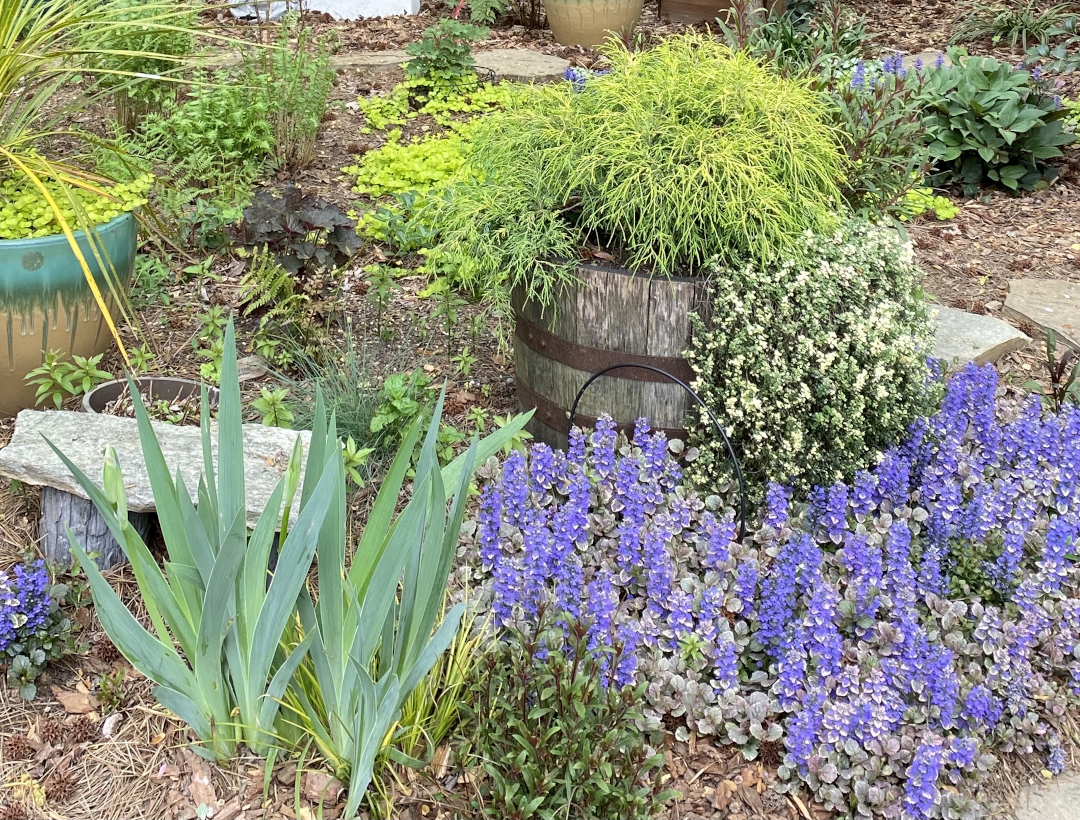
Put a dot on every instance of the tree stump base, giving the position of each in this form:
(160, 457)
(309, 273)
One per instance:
(60, 510)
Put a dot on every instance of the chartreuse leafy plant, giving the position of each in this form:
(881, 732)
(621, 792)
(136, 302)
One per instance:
(49, 47)
(678, 154)
(397, 168)
(989, 121)
(213, 651)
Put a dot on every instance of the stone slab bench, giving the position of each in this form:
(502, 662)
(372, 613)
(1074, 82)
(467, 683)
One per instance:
(83, 438)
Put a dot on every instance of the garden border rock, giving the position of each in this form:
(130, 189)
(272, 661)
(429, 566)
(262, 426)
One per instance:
(83, 437)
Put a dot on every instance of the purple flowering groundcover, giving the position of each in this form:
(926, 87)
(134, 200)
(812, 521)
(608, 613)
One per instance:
(888, 638)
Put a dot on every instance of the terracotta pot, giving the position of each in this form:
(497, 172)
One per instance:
(589, 23)
(46, 302)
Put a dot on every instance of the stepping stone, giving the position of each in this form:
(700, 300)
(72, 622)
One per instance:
(967, 337)
(928, 58)
(521, 65)
(83, 437)
(1049, 304)
(1057, 799)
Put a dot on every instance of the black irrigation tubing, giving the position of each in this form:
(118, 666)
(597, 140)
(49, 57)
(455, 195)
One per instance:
(703, 405)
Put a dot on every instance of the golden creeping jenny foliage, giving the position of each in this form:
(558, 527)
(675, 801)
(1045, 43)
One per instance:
(677, 155)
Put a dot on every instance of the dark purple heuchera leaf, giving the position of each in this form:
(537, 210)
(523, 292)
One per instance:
(306, 233)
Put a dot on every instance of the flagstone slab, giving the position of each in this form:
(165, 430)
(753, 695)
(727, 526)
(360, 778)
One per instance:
(961, 337)
(83, 437)
(1049, 304)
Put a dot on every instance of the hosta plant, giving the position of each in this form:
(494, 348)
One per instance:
(989, 121)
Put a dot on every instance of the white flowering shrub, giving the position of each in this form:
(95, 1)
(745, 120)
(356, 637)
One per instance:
(816, 364)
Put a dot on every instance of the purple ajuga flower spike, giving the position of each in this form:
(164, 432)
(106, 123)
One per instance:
(599, 609)
(899, 575)
(893, 478)
(863, 494)
(834, 521)
(858, 79)
(603, 443)
(24, 602)
(1055, 759)
(777, 499)
(939, 61)
(921, 789)
(515, 488)
(720, 536)
(746, 587)
(488, 524)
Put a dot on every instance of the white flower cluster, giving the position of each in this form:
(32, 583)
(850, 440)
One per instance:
(816, 364)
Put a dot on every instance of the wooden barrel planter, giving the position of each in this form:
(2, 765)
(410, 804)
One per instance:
(612, 317)
(707, 11)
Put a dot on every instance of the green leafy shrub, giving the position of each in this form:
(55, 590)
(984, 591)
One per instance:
(57, 379)
(402, 398)
(555, 736)
(25, 213)
(796, 43)
(444, 52)
(143, 64)
(987, 120)
(220, 133)
(814, 363)
(678, 154)
(487, 12)
(295, 78)
(879, 119)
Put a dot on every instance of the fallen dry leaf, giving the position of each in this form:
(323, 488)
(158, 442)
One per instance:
(75, 703)
(321, 787)
(201, 789)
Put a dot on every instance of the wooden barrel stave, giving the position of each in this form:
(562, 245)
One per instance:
(612, 317)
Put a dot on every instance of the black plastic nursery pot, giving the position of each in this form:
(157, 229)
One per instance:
(156, 388)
